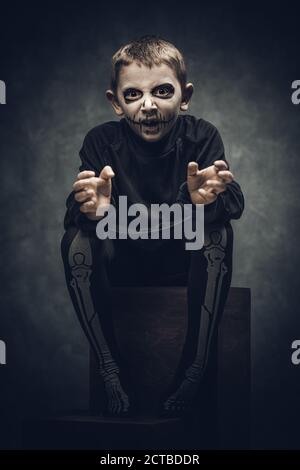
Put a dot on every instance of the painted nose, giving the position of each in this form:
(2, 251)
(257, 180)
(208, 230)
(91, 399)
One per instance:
(148, 105)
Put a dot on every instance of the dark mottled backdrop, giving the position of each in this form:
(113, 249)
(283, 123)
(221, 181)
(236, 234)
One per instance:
(55, 62)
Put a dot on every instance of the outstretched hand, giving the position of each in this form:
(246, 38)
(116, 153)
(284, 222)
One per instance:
(205, 185)
(93, 192)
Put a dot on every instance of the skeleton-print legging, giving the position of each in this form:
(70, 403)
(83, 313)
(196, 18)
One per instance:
(93, 266)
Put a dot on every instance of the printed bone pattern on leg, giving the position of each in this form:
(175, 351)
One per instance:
(214, 251)
(80, 260)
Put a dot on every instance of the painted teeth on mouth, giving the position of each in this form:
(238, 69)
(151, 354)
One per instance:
(150, 123)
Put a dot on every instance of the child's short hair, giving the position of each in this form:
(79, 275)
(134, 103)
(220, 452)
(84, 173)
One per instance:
(148, 50)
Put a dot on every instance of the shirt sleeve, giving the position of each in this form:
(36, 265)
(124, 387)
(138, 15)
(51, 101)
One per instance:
(229, 204)
(73, 216)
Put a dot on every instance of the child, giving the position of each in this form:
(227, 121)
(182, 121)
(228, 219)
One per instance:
(153, 154)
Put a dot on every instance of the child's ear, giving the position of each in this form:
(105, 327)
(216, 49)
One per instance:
(110, 95)
(186, 96)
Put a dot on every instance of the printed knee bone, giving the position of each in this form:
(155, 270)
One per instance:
(214, 251)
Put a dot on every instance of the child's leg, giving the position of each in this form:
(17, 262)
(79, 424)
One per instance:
(208, 285)
(86, 261)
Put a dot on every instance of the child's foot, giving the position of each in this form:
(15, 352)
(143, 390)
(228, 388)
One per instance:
(117, 399)
(182, 400)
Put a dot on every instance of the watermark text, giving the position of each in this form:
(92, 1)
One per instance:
(2, 352)
(295, 97)
(2, 92)
(160, 221)
(295, 357)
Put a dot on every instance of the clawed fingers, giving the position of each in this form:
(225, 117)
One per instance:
(214, 186)
(82, 184)
(226, 176)
(220, 165)
(207, 196)
(83, 195)
(192, 168)
(107, 173)
(88, 206)
(85, 174)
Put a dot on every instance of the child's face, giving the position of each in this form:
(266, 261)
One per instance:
(149, 99)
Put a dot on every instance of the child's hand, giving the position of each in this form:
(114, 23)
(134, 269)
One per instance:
(205, 185)
(93, 192)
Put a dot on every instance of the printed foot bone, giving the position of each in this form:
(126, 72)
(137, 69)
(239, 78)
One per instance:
(117, 399)
(182, 399)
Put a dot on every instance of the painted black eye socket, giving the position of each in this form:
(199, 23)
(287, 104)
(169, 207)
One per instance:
(131, 94)
(164, 91)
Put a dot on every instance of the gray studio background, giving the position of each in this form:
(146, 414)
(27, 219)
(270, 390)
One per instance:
(56, 68)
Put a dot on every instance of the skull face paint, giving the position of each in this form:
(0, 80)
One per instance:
(149, 99)
(152, 125)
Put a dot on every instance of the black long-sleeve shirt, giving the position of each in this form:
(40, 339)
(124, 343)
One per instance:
(155, 172)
